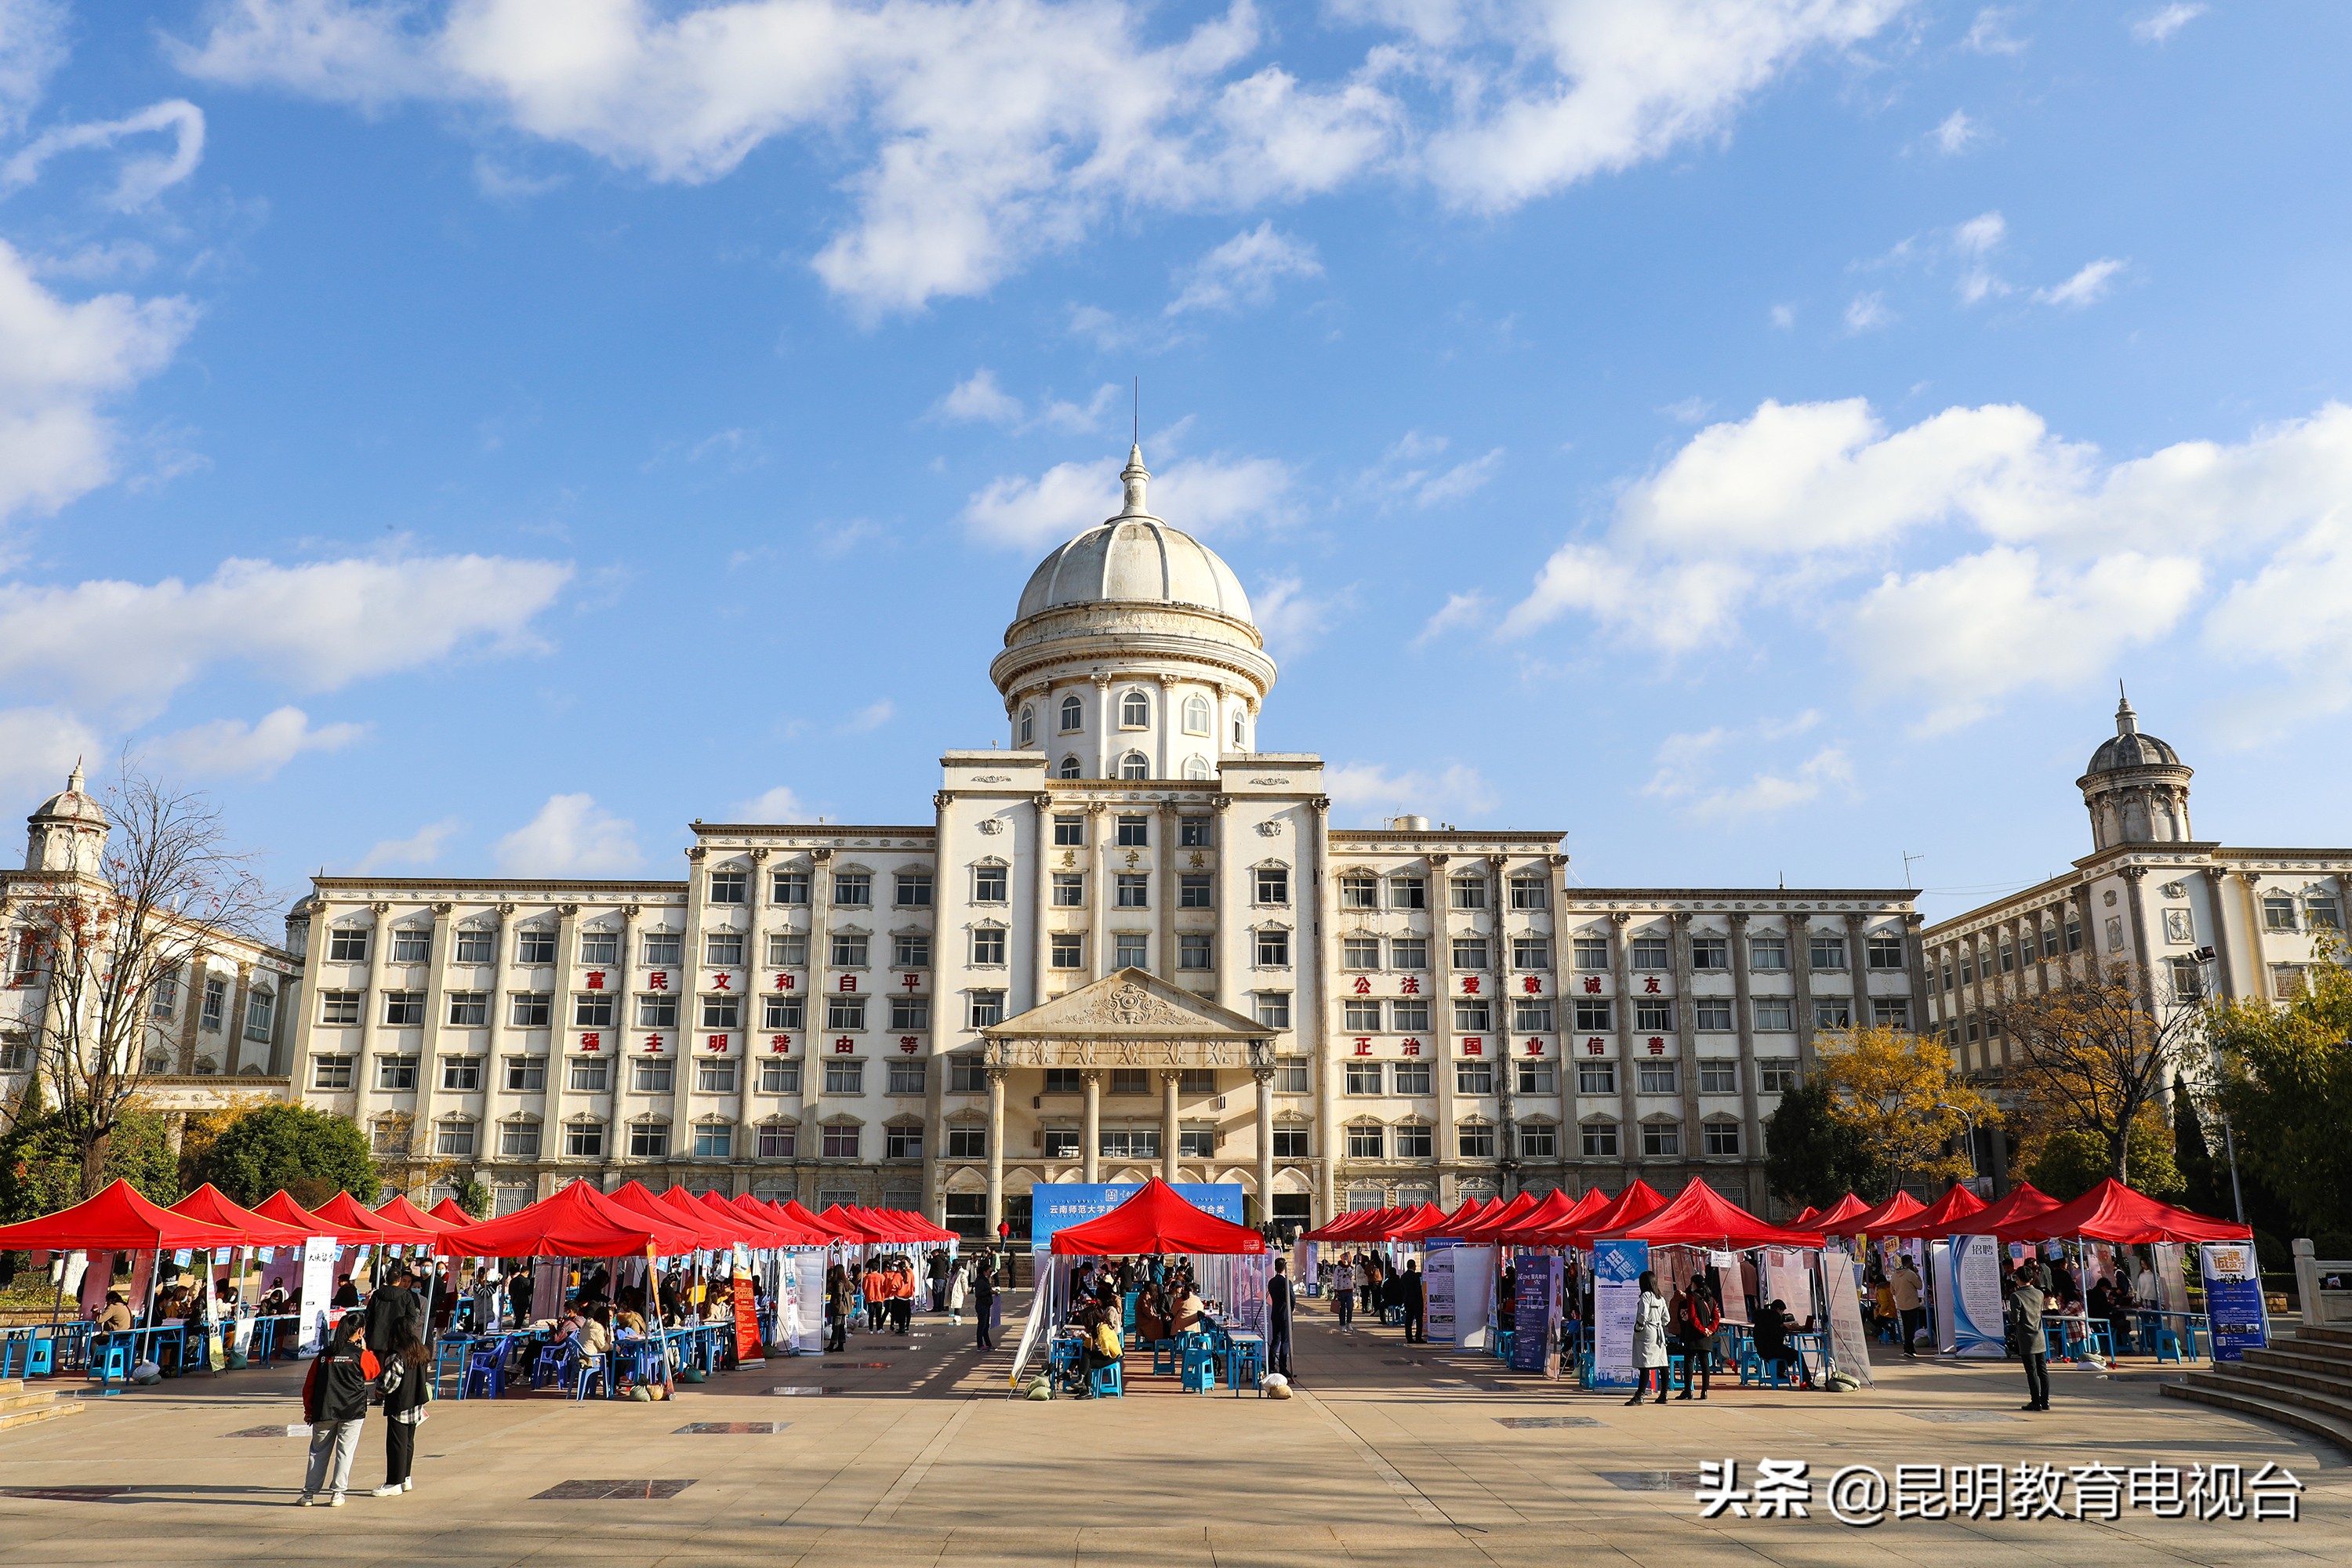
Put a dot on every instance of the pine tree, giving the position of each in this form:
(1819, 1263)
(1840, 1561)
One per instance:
(2193, 1155)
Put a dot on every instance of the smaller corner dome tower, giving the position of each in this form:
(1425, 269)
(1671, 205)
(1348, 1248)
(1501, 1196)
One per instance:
(72, 804)
(68, 832)
(1134, 558)
(2130, 747)
(2137, 788)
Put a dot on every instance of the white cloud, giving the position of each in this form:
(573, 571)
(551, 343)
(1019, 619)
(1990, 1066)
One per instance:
(58, 363)
(1291, 619)
(2087, 287)
(1957, 134)
(1970, 554)
(1369, 791)
(1867, 312)
(983, 132)
(1408, 473)
(1784, 317)
(1460, 612)
(1243, 271)
(315, 627)
(572, 836)
(871, 717)
(232, 746)
(142, 178)
(39, 746)
(1688, 765)
(1198, 495)
(420, 848)
(978, 399)
(32, 48)
(1974, 242)
(2159, 25)
(1990, 34)
(1689, 411)
(777, 804)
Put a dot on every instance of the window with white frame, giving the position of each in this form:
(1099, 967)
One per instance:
(967, 1139)
(1195, 950)
(1722, 1137)
(1133, 890)
(1535, 1077)
(1360, 891)
(845, 1075)
(1065, 950)
(1596, 1078)
(1290, 1141)
(461, 1075)
(1413, 1078)
(518, 1138)
(1467, 892)
(1590, 952)
(1651, 952)
(388, 1135)
(1473, 1016)
(787, 888)
(1359, 953)
(397, 1073)
(1413, 1140)
(713, 1140)
(1531, 1015)
(1367, 1140)
(1474, 1075)
(908, 1076)
(1028, 728)
(1594, 1016)
(988, 945)
(659, 1009)
(1775, 1014)
(452, 1138)
(1409, 952)
(1273, 945)
(1599, 1139)
(1134, 765)
(715, 1075)
(403, 1009)
(910, 950)
(1658, 1078)
(1776, 1075)
(651, 1075)
(2278, 911)
(1196, 715)
(1530, 952)
(339, 1007)
(1825, 952)
(1711, 1012)
(1074, 715)
(593, 1010)
(649, 1139)
(1361, 1014)
(910, 1013)
(1130, 949)
(911, 890)
(583, 1138)
(1134, 710)
(1409, 1014)
(1661, 1140)
(1538, 1141)
(1530, 893)
(588, 1075)
(1361, 1076)
(987, 1009)
(1290, 1075)
(1718, 1075)
(1196, 767)
(330, 1072)
(1833, 1014)
(845, 1012)
(1273, 1008)
(1274, 885)
(1891, 1012)
(1476, 1140)
(662, 948)
(729, 888)
(780, 1075)
(1470, 952)
(778, 1140)
(1653, 1014)
(1069, 768)
(1769, 952)
(852, 889)
(902, 1140)
(530, 1009)
(1407, 892)
(346, 944)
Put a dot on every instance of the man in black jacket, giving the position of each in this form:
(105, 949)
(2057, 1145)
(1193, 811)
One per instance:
(335, 1403)
(1416, 1304)
(983, 1295)
(391, 1303)
(1277, 1319)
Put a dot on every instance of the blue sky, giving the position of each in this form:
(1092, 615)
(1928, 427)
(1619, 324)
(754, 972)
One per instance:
(1750, 436)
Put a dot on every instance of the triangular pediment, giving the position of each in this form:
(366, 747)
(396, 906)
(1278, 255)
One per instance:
(1130, 1003)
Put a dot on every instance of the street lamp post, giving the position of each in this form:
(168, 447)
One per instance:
(1969, 1117)
(2205, 957)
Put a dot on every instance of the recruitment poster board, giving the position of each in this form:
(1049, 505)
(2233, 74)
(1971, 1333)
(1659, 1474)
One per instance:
(1474, 1296)
(1978, 1327)
(1055, 1205)
(750, 1349)
(2233, 1299)
(1437, 1286)
(1617, 1268)
(1849, 1344)
(317, 1288)
(1535, 1305)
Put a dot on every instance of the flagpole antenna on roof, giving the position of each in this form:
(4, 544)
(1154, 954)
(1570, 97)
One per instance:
(1135, 437)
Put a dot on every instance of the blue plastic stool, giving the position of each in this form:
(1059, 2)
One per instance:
(1244, 1361)
(40, 1356)
(1105, 1382)
(1200, 1372)
(1505, 1341)
(2167, 1345)
(109, 1360)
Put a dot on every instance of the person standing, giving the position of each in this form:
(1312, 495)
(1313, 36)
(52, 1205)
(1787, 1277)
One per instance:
(1910, 1308)
(407, 1386)
(1343, 1294)
(1414, 1293)
(394, 1306)
(940, 1270)
(2026, 1304)
(983, 1298)
(1696, 1324)
(1277, 1319)
(519, 1290)
(335, 1403)
(1649, 1340)
(959, 1288)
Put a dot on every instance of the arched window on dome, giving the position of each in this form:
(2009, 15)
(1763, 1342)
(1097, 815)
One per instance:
(1135, 712)
(1196, 715)
(1134, 765)
(1070, 767)
(1028, 728)
(1240, 734)
(1196, 767)
(1074, 716)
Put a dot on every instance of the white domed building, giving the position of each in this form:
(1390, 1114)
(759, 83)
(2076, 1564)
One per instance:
(1129, 943)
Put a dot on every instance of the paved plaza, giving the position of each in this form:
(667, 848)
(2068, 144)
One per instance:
(904, 1452)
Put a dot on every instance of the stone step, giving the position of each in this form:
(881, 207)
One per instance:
(2288, 1357)
(2227, 1395)
(30, 1414)
(2325, 1335)
(29, 1398)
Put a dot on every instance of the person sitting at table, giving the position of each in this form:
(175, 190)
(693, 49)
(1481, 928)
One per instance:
(1773, 1326)
(1150, 1316)
(595, 1334)
(667, 1295)
(1102, 1347)
(116, 1317)
(1184, 1314)
(273, 1300)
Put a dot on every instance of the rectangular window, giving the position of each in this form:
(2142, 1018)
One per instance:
(583, 1139)
(1290, 1144)
(1722, 1138)
(1274, 949)
(1652, 953)
(659, 1009)
(1531, 952)
(730, 888)
(412, 944)
(1414, 1077)
(1473, 1077)
(910, 951)
(1718, 1075)
(330, 1072)
(453, 1140)
(1890, 1011)
(1192, 893)
(715, 1075)
(1274, 885)
(1470, 952)
(1359, 891)
(1592, 1017)
(1070, 832)
(1468, 892)
(2009, 954)
(1476, 1140)
(908, 1076)
(987, 1009)
(1131, 1143)
(1362, 1076)
(1968, 968)
(1129, 1080)
(1408, 893)
(778, 1141)
(1590, 952)
(165, 998)
(1069, 889)
(651, 1075)
(1712, 1012)
(469, 1010)
(1290, 1075)
(1362, 1014)
(1367, 1142)
(216, 1004)
(463, 1074)
(1776, 1014)
(2049, 944)
(526, 1075)
(1710, 953)
(1274, 1009)
(2287, 980)
(1776, 1075)
(722, 949)
(988, 945)
(1066, 949)
(787, 949)
(519, 1139)
(845, 1077)
(1409, 952)
(1134, 832)
(478, 947)
(967, 1141)
(588, 1075)
(849, 950)
(1825, 952)
(1658, 1078)
(1134, 890)
(339, 1007)
(1768, 953)
(2320, 913)
(1599, 1140)
(593, 1010)
(2073, 936)
(789, 888)
(1413, 1141)
(725, 1013)
(1530, 893)
(1063, 1080)
(600, 947)
(649, 1139)
(1596, 1078)
(663, 947)
(395, 1072)
(401, 1009)
(910, 1013)
(844, 1013)
(1193, 951)
(913, 890)
(1883, 951)
(534, 947)
(1473, 1016)
(855, 889)
(1062, 1143)
(346, 944)
(1652, 1012)
(2187, 983)
(1834, 1014)
(1539, 1140)
(779, 1076)
(989, 882)
(1130, 949)
(1359, 953)
(1531, 1015)
(1536, 1077)
(1661, 1140)
(2278, 911)
(1194, 833)
(530, 1009)
(1196, 1143)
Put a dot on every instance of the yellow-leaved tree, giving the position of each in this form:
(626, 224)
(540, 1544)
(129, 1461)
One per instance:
(1898, 1091)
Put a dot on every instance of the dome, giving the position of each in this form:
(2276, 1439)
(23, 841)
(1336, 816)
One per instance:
(72, 804)
(1135, 558)
(2130, 748)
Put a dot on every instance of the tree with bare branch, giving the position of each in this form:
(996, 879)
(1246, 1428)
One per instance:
(107, 941)
(2092, 1055)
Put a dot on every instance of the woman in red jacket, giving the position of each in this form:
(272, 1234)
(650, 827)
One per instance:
(335, 1403)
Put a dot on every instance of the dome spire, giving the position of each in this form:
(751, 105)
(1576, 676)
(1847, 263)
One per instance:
(1135, 475)
(2127, 722)
(74, 780)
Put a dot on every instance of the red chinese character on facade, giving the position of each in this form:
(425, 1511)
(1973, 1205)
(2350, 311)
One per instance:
(1531, 986)
(1363, 1045)
(906, 1044)
(1592, 1046)
(719, 981)
(842, 1045)
(1657, 1045)
(779, 1045)
(592, 1042)
(911, 982)
(657, 981)
(652, 1044)
(1469, 985)
(1535, 1047)
(1413, 1048)
(1649, 986)
(1592, 986)
(715, 1043)
(595, 980)
(849, 983)
(1363, 986)
(1473, 1047)
(1411, 986)
(783, 983)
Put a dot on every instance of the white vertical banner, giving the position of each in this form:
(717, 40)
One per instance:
(319, 1255)
(1438, 1295)
(1849, 1346)
(1474, 1294)
(1978, 1319)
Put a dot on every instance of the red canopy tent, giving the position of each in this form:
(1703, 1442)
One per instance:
(1637, 1202)
(1806, 1216)
(1698, 1216)
(1951, 1212)
(280, 1206)
(576, 1222)
(2113, 1212)
(825, 1227)
(1830, 1220)
(1450, 1224)
(1885, 1219)
(210, 1206)
(449, 1209)
(634, 1203)
(1557, 1212)
(2022, 1202)
(1157, 1219)
(346, 1210)
(1356, 1224)
(789, 1231)
(1480, 1231)
(118, 1219)
(397, 1210)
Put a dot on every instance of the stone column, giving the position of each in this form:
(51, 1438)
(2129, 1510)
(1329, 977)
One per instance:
(1629, 1120)
(1232, 947)
(1686, 1040)
(1314, 1024)
(1168, 1125)
(1040, 909)
(995, 1149)
(428, 1050)
(370, 1015)
(1163, 728)
(1743, 1021)
(1166, 865)
(1801, 965)
(1446, 1135)
(1100, 823)
(1264, 1077)
(233, 1047)
(1104, 726)
(1090, 1126)
(191, 1011)
(1507, 1118)
(1556, 898)
(2135, 877)
(1857, 969)
(2216, 896)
